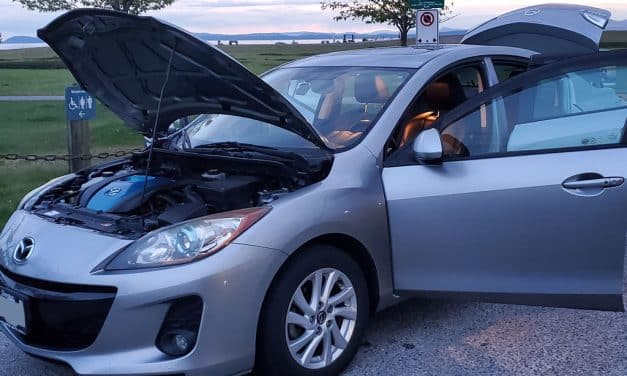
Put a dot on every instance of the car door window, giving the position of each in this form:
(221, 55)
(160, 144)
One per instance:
(506, 70)
(442, 95)
(568, 110)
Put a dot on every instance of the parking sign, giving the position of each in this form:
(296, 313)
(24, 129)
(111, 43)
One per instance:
(427, 28)
(79, 105)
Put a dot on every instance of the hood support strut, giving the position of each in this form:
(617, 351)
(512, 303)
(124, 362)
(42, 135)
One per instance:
(154, 129)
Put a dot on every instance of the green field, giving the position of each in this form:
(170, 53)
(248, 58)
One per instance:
(39, 127)
(16, 180)
(28, 72)
(33, 78)
(34, 81)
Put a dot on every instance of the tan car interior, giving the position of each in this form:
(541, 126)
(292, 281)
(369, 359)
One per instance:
(439, 97)
(346, 123)
(369, 89)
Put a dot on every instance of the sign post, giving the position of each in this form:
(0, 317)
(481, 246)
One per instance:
(80, 107)
(427, 20)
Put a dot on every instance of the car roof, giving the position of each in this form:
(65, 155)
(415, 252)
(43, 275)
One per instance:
(396, 57)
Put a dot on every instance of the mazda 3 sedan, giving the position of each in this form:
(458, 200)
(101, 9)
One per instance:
(264, 234)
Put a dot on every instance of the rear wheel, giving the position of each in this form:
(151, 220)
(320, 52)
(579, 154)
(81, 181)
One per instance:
(314, 316)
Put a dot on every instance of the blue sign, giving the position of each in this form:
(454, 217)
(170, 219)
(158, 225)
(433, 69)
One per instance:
(79, 105)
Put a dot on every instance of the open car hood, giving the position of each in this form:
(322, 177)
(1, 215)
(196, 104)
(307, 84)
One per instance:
(122, 60)
(547, 29)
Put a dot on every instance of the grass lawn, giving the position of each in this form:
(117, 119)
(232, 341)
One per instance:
(34, 81)
(16, 179)
(40, 57)
(39, 127)
(260, 58)
(26, 72)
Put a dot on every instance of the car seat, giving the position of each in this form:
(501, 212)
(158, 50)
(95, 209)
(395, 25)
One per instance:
(441, 97)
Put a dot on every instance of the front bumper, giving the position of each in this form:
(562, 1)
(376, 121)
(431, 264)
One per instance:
(232, 284)
(60, 317)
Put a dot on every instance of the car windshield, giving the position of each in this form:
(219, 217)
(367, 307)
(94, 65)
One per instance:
(342, 104)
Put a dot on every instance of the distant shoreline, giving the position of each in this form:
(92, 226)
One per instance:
(304, 37)
(19, 46)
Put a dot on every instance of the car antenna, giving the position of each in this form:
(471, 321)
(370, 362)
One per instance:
(154, 128)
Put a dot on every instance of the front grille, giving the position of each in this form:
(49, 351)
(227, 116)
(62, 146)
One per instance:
(60, 316)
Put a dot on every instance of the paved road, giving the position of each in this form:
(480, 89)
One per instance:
(435, 338)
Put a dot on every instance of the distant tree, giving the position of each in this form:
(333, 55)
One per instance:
(392, 12)
(126, 6)
(0, 37)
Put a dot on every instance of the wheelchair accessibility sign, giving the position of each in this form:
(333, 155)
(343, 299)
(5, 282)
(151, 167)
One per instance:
(79, 105)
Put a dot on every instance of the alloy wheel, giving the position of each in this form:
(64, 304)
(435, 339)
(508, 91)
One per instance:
(321, 318)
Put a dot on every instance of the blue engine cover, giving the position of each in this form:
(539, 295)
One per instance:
(124, 194)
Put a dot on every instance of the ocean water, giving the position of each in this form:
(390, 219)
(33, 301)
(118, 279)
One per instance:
(18, 46)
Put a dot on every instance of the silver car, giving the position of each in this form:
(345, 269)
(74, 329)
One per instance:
(265, 233)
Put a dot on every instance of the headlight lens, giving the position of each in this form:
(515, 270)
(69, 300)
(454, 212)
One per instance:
(186, 242)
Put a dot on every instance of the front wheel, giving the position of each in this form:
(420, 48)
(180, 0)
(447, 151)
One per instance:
(314, 316)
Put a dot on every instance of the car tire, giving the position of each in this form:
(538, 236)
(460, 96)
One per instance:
(281, 309)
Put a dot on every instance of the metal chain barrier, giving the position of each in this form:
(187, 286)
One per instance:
(67, 157)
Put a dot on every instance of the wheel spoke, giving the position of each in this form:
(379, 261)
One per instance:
(327, 348)
(298, 344)
(301, 302)
(338, 338)
(342, 296)
(346, 312)
(328, 286)
(311, 349)
(321, 318)
(316, 290)
(299, 320)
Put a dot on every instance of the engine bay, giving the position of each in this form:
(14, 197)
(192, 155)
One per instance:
(123, 198)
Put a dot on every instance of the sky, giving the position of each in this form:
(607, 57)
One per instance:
(250, 16)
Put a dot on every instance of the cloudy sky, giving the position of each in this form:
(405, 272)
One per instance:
(248, 16)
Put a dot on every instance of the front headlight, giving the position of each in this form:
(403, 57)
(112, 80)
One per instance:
(186, 242)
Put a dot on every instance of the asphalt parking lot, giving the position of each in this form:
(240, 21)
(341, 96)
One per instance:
(437, 338)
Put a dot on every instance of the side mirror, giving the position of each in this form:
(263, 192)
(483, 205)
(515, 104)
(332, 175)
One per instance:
(427, 147)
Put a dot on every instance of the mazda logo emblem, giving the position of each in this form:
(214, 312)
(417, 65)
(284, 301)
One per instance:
(113, 191)
(23, 250)
(322, 317)
(532, 12)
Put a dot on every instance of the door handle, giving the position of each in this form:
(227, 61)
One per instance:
(594, 183)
